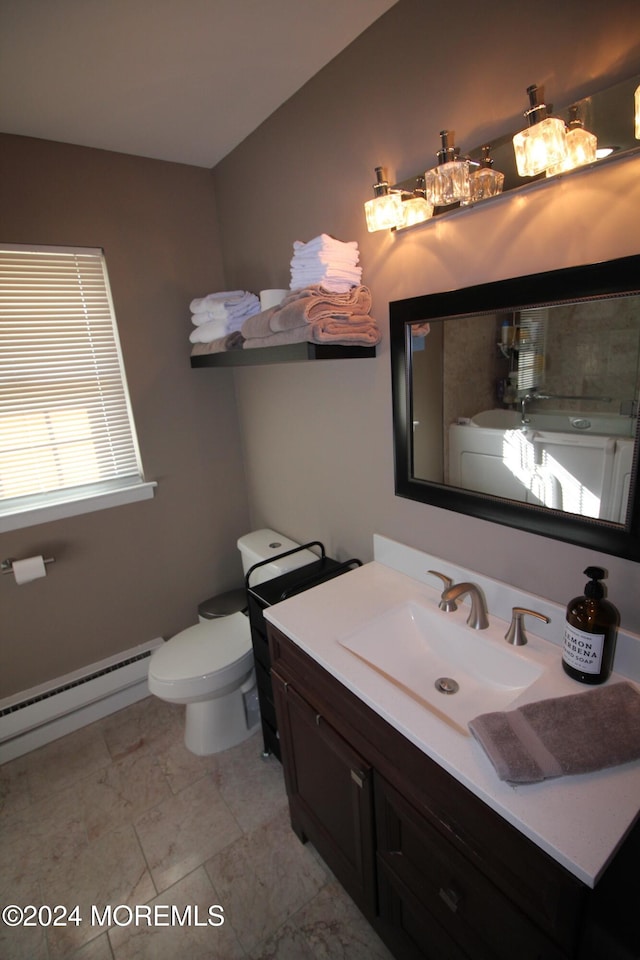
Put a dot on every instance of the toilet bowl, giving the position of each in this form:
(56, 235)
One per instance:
(209, 666)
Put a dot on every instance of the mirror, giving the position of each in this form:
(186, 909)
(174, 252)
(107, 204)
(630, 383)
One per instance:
(517, 402)
(609, 114)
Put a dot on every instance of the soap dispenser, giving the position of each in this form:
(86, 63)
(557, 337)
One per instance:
(590, 632)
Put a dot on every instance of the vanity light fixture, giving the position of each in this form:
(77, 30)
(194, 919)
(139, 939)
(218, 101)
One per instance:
(543, 143)
(637, 113)
(384, 211)
(581, 145)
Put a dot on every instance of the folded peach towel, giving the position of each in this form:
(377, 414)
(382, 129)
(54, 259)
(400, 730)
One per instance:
(315, 303)
(579, 733)
(308, 305)
(330, 330)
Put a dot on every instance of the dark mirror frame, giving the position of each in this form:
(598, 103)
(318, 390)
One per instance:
(615, 278)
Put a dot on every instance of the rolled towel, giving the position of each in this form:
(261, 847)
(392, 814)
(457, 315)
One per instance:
(206, 332)
(579, 733)
(202, 304)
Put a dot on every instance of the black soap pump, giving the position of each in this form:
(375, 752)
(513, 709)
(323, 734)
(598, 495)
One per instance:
(590, 632)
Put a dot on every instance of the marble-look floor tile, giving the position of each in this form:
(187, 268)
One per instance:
(65, 761)
(264, 878)
(22, 943)
(148, 722)
(185, 830)
(252, 786)
(97, 949)
(121, 792)
(39, 838)
(110, 871)
(180, 766)
(195, 938)
(14, 786)
(329, 927)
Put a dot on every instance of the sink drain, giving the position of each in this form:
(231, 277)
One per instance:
(447, 685)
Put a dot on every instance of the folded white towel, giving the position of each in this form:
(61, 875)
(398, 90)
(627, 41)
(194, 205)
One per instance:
(325, 243)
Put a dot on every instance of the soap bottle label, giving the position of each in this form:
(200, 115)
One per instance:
(581, 650)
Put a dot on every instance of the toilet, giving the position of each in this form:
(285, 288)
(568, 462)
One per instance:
(209, 666)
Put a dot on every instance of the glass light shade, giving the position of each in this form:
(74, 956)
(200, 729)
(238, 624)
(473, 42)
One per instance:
(384, 213)
(637, 105)
(540, 146)
(448, 183)
(416, 210)
(581, 149)
(484, 183)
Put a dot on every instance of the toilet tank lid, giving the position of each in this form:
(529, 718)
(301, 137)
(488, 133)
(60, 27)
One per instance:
(266, 543)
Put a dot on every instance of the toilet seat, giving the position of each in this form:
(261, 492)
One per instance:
(202, 659)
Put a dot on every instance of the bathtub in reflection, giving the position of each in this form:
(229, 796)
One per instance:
(576, 462)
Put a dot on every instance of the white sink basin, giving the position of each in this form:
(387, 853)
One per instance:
(415, 648)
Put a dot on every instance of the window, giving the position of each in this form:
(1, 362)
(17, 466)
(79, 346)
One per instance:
(67, 437)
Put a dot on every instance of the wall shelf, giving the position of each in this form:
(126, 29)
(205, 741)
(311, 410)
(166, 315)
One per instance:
(288, 353)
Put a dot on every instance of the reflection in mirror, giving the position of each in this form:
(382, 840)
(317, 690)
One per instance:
(518, 401)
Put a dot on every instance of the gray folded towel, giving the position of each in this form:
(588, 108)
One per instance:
(578, 733)
(232, 341)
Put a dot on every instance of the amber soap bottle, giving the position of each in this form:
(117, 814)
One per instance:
(590, 632)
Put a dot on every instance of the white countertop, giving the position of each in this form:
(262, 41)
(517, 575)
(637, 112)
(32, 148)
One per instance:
(579, 820)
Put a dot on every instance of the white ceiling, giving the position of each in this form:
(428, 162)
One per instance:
(181, 80)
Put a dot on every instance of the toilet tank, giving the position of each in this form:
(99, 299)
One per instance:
(263, 544)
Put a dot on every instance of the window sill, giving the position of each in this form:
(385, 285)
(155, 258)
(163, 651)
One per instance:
(79, 505)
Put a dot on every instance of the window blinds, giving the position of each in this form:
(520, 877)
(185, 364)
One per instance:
(66, 428)
(531, 347)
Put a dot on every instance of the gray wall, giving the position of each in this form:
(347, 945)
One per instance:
(318, 437)
(126, 575)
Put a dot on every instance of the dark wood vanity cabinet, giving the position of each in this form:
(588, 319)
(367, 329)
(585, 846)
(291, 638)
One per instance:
(437, 873)
(330, 790)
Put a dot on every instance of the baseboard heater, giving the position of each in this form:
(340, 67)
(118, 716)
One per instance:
(34, 717)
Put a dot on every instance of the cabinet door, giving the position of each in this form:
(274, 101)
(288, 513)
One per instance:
(330, 793)
(424, 878)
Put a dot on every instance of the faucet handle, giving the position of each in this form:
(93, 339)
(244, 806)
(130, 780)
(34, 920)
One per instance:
(448, 605)
(516, 634)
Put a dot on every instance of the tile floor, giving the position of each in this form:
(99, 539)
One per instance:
(120, 813)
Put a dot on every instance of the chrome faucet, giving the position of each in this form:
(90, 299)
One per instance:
(477, 618)
(524, 420)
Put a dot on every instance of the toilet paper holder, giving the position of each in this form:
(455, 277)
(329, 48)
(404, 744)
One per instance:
(6, 566)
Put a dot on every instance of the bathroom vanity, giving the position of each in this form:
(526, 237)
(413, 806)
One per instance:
(443, 859)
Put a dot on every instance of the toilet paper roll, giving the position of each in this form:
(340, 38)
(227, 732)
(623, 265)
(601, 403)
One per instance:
(30, 569)
(271, 298)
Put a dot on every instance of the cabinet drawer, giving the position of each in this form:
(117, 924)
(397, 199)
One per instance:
(408, 929)
(425, 870)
